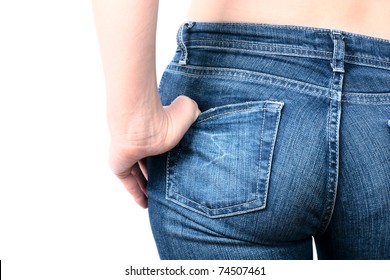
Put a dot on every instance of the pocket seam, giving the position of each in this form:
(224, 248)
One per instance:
(259, 164)
(171, 191)
(265, 107)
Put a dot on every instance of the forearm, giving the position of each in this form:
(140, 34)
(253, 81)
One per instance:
(140, 126)
(127, 32)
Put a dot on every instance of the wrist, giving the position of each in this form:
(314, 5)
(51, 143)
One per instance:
(137, 125)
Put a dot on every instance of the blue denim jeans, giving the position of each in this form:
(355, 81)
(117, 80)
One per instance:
(293, 143)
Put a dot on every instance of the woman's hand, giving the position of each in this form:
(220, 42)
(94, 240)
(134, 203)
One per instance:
(139, 125)
(148, 132)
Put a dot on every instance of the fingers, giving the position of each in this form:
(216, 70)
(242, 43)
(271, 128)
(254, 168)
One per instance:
(182, 113)
(139, 176)
(126, 161)
(135, 183)
(143, 167)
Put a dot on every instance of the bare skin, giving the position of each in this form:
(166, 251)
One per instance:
(139, 125)
(367, 17)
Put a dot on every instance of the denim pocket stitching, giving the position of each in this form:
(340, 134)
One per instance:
(259, 163)
(266, 106)
(229, 113)
(232, 209)
(250, 76)
(274, 136)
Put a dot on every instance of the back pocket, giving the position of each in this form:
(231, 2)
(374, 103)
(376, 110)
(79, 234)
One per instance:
(222, 165)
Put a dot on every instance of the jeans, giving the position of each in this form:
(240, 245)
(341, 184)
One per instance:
(293, 143)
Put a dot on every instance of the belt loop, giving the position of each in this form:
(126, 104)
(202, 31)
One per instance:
(180, 41)
(337, 62)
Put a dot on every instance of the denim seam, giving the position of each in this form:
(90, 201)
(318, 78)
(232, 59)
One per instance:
(254, 47)
(264, 79)
(367, 102)
(167, 175)
(233, 72)
(261, 78)
(269, 165)
(257, 185)
(366, 57)
(217, 215)
(363, 61)
(324, 217)
(378, 65)
(180, 42)
(279, 26)
(236, 111)
(214, 209)
(364, 94)
(170, 167)
(253, 44)
(279, 115)
(333, 128)
(295, 54)
(259, 162)
(362, 98)
(356, 60)
(250, 80)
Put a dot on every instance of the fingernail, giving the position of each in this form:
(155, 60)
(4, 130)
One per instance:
(198, 112)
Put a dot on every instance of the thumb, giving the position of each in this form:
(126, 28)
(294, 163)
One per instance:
(182, 113)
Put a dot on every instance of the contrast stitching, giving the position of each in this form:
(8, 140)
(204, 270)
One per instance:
(368, 58)
(212, 209)
(374, 65)
(234, 72)
(167, 175)
(262, 51)
(351, 59)
(364, 94)
(251, 44)
(209, 211)
(276, 129)
(260, 80)
(279, 26)
(236, 111)
(285, 48)
(367, 102)
(260, 154)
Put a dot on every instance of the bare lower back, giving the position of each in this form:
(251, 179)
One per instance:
(368, 17)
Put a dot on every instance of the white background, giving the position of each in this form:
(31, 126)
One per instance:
(63, 215)
(62, 212)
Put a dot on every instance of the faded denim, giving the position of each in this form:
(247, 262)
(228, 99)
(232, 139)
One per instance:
(293, 143)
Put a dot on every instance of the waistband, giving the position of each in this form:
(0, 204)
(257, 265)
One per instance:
(308, 41)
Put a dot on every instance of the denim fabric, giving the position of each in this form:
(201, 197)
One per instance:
(293, 143)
